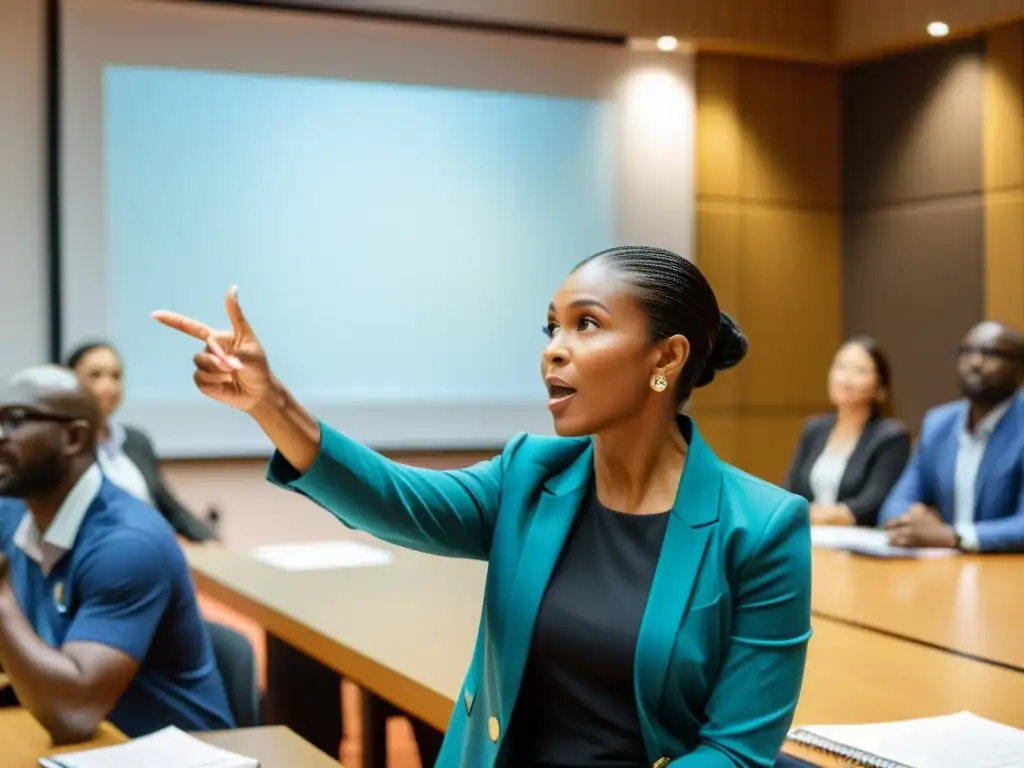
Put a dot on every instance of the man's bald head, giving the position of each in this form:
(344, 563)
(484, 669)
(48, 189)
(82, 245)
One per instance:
(991, 363)
(53, 388)
(48, 430)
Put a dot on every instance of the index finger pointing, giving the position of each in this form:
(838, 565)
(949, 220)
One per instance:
(184, 324)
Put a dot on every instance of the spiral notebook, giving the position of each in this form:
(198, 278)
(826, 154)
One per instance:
(962, 740)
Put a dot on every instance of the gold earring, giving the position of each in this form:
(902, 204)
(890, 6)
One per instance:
(659, 383)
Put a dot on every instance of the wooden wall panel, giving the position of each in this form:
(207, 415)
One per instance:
(791, 305)
(870, 28)
(913, 230)
(791, 117)
(912, 129)
(768, 238)
(1004, 176)
(718, 235)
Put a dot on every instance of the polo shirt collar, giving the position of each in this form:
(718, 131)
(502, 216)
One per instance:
(48, 548)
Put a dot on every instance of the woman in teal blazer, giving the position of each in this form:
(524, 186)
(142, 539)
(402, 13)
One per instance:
(646, 604)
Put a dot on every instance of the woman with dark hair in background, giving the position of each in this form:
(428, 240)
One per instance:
(125, 453)
(647, 604)
(847, 462)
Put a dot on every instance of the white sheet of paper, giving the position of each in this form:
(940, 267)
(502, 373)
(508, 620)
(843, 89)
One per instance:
(963, 740)
(168, 748)
(321, 555)
(868, 541)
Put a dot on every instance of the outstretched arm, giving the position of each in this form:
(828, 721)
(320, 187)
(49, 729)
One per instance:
(448, 513)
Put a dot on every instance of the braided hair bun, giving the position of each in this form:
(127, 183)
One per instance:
(729, 349)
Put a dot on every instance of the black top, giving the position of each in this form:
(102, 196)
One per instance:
(878, 460)
(577, 706)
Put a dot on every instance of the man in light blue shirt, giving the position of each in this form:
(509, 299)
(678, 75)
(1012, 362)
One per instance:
(964, 486)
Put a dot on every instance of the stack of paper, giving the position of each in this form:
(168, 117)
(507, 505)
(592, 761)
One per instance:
(169, 748)
(321, 555)
(872, 542)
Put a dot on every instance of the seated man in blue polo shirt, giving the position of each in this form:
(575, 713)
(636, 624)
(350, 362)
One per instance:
(98, 614)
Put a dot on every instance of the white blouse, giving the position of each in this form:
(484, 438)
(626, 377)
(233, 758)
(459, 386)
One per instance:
(827, 473)
(119, 469)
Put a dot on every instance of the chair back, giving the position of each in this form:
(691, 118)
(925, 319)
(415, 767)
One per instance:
(236, 662)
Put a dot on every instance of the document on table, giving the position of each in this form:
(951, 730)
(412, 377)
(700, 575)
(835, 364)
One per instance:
(872, 542)
(169, 748)
(321, 555)
(963, 740)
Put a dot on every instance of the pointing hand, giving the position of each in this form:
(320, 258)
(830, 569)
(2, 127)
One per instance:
(232, 368)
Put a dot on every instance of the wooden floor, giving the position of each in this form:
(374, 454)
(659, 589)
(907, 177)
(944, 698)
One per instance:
(401, 745)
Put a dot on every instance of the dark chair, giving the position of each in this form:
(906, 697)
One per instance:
(237, 664)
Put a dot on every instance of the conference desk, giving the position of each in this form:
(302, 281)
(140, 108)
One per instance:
(406, 631)
(970, 605)
(24, 742)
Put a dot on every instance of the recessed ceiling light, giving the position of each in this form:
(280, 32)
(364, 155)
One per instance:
(938, 29)
(667, 43)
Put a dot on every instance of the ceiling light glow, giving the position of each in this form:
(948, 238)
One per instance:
(667, 43)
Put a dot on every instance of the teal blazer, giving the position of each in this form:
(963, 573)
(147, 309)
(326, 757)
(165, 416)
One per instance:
(721, 651)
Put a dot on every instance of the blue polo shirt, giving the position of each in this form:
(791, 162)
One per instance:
(109, 570)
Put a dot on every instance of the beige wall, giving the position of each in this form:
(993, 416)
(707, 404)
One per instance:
(1004, 176)
(768, 238)
(24, 318)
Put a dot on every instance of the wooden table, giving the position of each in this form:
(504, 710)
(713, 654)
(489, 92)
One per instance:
(406, 631)
(274, 746)
(969, 605)
(856, 675)
(25, 741)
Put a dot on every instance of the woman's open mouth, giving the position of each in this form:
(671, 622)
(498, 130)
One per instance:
(559, 395)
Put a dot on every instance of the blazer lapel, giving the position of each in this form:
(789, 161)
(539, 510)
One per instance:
(946, 448)
(855, 464)
(560, 500)
(679, 563)
(997, 450)
(815, 447)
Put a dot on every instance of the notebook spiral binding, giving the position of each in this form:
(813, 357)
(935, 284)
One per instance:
(857, 758)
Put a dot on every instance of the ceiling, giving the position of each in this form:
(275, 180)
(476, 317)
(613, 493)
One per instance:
(809, 30)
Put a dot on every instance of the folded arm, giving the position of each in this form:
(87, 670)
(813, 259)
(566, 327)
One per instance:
(752, 705)
(449, 513)
(70, 690)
